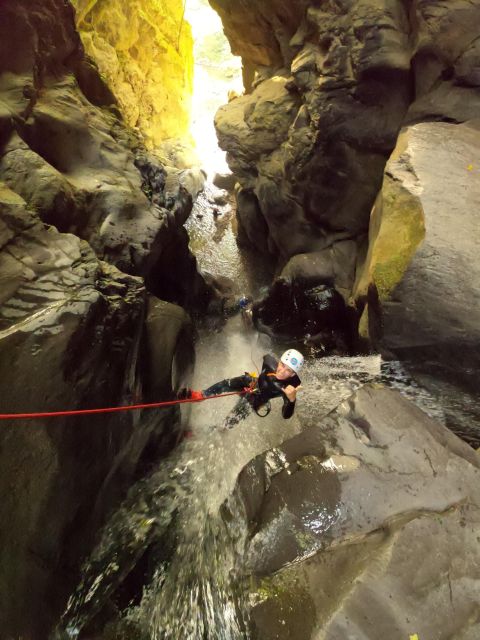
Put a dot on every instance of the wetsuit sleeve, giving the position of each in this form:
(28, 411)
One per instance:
(230, 384)
(288, 407)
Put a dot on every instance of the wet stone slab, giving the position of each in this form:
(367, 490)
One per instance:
(365, 526)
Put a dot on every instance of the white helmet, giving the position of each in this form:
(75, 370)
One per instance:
(293, 359)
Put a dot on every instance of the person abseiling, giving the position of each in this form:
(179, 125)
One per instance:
(276, 379)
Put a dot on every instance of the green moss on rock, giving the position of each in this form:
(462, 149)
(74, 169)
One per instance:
(397, 229)
(401, 231)
(286, 609)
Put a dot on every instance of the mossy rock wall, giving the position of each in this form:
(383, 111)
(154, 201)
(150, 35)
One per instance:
(397, 229)
(421, 275)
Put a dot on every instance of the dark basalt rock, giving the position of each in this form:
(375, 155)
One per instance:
(78, 236)
(317, 315)
(335, 82)
(252, 226)
(75, 333)
(154, 178)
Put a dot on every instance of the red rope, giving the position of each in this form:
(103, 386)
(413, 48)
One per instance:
(132, 407)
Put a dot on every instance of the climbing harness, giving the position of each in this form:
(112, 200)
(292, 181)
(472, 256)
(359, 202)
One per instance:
(132, 407)
(264, 409)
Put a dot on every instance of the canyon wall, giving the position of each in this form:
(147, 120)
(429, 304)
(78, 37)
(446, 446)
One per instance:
(144, 52)
(91, 226)
(336, 81)
(355, 104)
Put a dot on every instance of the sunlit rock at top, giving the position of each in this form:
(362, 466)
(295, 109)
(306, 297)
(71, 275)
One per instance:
(144, 50)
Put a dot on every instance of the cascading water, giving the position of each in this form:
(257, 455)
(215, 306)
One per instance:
(182, 520)
(181, 525)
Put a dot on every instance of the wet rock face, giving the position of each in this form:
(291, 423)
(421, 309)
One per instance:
(308, 301)
(80, 233)
(316, 316)
(74, 333)
(364, 525)
(424, 300)
(421, 277)
(335, 83)
(73, 162)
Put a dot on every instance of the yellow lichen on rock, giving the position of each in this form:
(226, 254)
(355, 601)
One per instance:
(144, 51)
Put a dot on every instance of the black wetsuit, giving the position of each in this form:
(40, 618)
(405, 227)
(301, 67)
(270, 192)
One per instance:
(268, 386)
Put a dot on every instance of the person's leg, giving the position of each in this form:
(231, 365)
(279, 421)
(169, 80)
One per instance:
(229, 384)
(224, 386)
(239, 412)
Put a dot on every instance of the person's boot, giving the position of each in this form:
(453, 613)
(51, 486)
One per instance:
(189, 394)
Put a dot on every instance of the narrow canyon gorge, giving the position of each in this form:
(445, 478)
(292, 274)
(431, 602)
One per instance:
(186, 186)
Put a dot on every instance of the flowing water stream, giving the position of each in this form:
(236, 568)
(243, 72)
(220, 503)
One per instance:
(169, 564)
(182, 516)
